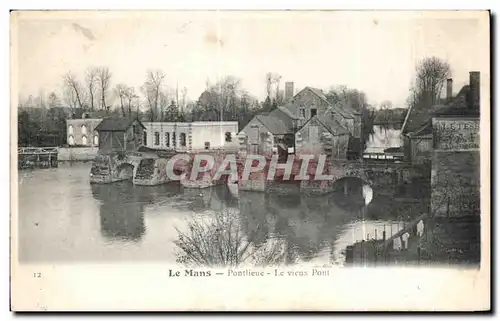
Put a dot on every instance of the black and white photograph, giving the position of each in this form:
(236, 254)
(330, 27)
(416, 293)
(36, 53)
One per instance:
(248, 143)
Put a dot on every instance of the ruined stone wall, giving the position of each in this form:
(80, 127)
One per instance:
(455, 176)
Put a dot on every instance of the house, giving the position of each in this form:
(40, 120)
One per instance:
(190, 136)
(322, 136)
(81, 131)
(417, 128)
(456, 174)
(287, 127)
(455, 156)
(269, 133)
(120, 134)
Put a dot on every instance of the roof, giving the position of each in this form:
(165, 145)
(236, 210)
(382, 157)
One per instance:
(457, 106)
(415, 119)
(342, 109)
(426, 129)
(318, 92)
(275, 125)
(333, 126)
(116, 124)
(286, 110)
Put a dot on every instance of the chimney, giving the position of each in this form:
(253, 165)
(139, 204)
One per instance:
(449, 88)
(474, 90)
(288, 90)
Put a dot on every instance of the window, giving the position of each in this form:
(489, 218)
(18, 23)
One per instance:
(174, 143)
(228, 137)
(183, 139)
(207, 145)
(96, 139)
(70, 129)
(145, 138)
(157, 138)
(303, 113)
(84, 130)
(167, 139)
(71, 140)
(314, 112)
(84, 140)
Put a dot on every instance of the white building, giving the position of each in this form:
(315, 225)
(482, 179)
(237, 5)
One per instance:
(183, 136)
(80, 132)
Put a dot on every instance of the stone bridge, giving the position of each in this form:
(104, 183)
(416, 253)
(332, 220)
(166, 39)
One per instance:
(150, 168)
(143, 168)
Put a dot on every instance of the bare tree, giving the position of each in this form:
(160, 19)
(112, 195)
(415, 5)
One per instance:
(92, 82)
(353, 98)
(121, 91)
(273, 85)
(104, 76)
(431, 75)
(74, 90)
(151, 89)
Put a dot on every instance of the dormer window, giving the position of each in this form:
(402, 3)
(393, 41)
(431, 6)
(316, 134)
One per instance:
(314, 112)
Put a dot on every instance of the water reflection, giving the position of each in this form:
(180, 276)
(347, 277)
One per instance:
(64, 217)
(122, 205)
(309, 225)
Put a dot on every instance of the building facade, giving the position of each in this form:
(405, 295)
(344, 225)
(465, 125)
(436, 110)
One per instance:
(455, 157)
(192, 136)
(307, 123)
(456, 176)
(81, 132)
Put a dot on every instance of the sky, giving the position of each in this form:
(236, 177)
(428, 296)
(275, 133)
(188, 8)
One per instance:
(375, 52)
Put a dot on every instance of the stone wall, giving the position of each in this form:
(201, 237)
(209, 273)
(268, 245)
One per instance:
(455, 175)
(77, 153)
(456, 183)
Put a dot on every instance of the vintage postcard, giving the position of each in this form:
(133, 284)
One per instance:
(250, 160)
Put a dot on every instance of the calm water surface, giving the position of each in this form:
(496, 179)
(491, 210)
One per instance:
(62, 217)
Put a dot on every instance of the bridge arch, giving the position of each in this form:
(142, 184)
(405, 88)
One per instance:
(125, 171)
(354, 189)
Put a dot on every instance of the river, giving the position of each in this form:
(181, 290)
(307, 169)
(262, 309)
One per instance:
(63, 218)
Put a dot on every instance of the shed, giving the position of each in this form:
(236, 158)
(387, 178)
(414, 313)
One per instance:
(120, 134)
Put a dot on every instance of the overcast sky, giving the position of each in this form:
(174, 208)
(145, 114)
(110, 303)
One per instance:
(373, 52)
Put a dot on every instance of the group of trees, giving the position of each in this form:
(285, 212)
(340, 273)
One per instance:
(225, 99)
(92, 93)
(430, 78)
